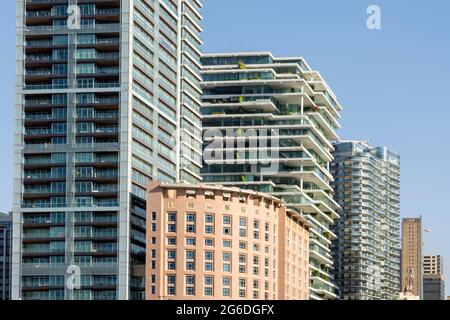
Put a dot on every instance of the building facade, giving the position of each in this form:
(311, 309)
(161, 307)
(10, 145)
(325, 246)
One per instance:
(411, 272)
(107, 99)
(433, 287)
(433, 277)
(367, 250)
(268, 123)
(213, 242)
(433, 264)
(5, 256)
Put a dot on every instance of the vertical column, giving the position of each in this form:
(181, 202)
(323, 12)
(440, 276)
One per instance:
(16, 260)
(125, 149)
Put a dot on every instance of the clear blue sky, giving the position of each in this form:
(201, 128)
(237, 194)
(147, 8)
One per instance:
(394, 83)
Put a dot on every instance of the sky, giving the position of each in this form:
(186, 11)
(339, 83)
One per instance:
(393, 83)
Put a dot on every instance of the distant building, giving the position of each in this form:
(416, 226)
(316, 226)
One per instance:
(411, 276)
(433, 287)
(433, 278)
(433, 264)
(213, 242)
(5, 256)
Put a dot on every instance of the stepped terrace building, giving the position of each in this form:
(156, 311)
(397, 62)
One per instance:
(107, 99)
(367, 250)
(268, 123)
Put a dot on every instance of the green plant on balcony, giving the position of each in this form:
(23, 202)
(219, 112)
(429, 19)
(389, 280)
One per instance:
(315, 273)
(244, 178)
(241, 99)
(241, 65)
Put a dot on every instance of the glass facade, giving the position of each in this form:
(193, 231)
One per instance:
(5, 256)
(367, 250)
(105, 107)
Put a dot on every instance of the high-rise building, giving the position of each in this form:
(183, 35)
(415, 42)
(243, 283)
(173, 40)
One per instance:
(268, 123)
(433, 264)
(5, 255)
(213, 242)
(433, 287)
(107, 99)
(367, 250)
(433, 278)
(411, 272)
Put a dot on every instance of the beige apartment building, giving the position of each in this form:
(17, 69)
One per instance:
(214, 242)
(433, 264)
(412, 256)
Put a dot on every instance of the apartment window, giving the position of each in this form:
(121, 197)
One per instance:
(209, 218)
(256, 224)
(242, 269)
(171, 254)
(226, 256)
(190, 241)
(227, 220)
(226, 281)
(242, 222)
(242, 283)
(226, 243)
(226, 231)
(171, 291)
(171, 279)
(209, 229)
(190, 280)
(226, 267)
(226, 292)
(255, 295)
(190, 217)
(190, 254)
(208, 280)
(172, 217)
(171, 241)
(208, 291)
(209, 242)
(243, 245)
(190, 266)
(242, 294)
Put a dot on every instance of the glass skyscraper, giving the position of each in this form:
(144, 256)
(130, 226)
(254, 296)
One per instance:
(367, 250)
(268, 123)
(107, 98)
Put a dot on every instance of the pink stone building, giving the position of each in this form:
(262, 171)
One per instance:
(213, 242)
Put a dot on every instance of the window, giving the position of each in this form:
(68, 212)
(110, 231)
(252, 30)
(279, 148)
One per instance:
(226, 281)
(171, 279)
(242, 283)
(171, 241)
(226, 243)
(208, 280)
(227, 220)
(208, 291)
(190, 254)
(226, 267)
(190, 241)
(190, 280)
(209, 218)
(190, 217)
(226, 292)
(209, 229)
(242, 294)
(209, 242)
(226, 256)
